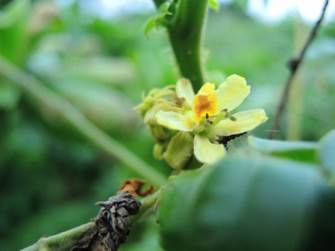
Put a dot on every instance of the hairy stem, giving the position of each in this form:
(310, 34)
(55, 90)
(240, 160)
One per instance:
(75, 118)
(185, 34)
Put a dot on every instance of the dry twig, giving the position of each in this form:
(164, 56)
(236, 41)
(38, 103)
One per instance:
(294, 65)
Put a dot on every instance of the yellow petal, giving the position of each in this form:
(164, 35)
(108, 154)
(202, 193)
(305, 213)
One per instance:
(205, 102)
(232, 92)
(245, 121)
(184, 90)
(207, 152)
(174, 121)
(206, 89)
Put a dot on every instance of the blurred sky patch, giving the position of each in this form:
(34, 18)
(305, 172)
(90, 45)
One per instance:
(265, 10)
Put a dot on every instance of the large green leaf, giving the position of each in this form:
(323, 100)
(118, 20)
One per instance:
(144, 236)
(295, 150)
(246, 203)
(327, 152)
(214, 4)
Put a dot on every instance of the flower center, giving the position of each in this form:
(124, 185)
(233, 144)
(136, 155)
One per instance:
(205, 103)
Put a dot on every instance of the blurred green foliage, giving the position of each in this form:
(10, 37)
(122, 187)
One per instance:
(50, 177)
(243, 203)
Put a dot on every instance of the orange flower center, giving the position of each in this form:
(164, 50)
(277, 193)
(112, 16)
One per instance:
(205, 103)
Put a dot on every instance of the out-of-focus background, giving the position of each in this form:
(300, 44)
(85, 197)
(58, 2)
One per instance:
(96, 55)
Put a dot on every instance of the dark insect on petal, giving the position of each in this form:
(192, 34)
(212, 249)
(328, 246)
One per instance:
(224, 140)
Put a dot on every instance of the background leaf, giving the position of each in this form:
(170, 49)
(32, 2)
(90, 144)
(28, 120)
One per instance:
(295, 150)
(214, 4)
(327, 152)
(147, 237)
(243, 203)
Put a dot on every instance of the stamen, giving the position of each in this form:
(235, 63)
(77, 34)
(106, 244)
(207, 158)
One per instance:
(224, 140)
(208, 120)
(228, 115)
(232, 118)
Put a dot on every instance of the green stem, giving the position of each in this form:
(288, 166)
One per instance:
(147, 203)
(63, 241)
(66, 240)
(185, 34)
(80, 122)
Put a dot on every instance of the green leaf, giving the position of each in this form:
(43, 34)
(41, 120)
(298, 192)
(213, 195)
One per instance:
(158, 19)
(214, 4)
(164, 8)
(13, 30)
(327, 152)
(148, 239)
(150, 25)
(246, 203)
(295, 150)
(12, 13)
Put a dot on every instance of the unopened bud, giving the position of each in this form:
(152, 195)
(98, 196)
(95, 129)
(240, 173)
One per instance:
(179, 150)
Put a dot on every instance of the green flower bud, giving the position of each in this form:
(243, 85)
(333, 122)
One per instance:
(179, 150)
(154, 97)
(158, 151)
(159, 100)
(160, 133)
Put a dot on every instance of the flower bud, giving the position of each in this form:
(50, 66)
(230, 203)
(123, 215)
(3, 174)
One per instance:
(158, 151)
(160, 133)
(179, 150)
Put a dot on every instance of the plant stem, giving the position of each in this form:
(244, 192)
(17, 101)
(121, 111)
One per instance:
(63, 241)
(294, 65)
(66, 240)
(147, 203)
(185, 34)
(74, 117)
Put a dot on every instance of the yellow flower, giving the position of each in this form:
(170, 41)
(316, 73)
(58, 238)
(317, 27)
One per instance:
(208, 115)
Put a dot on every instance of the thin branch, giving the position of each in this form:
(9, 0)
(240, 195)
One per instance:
(74, 117)
(294, 65)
